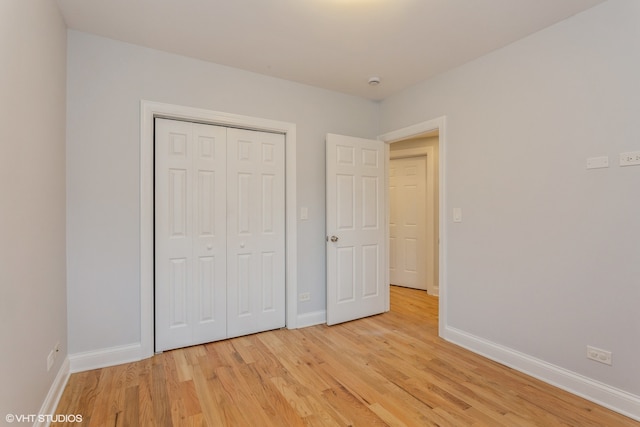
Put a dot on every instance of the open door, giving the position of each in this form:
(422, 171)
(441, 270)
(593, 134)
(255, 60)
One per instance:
(356, 241)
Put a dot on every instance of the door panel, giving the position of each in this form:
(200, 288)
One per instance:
(190, 248)
(178, 279)
(210, 295)
(255, 241)
(371, 270)
(355, 216)
(206, 295)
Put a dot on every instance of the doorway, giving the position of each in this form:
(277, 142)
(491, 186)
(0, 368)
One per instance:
(430, 128)
(413, 206)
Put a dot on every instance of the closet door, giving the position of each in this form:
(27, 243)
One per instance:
(190, 233)
(255, 232)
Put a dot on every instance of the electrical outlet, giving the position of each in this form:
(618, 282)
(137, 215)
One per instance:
(599, 355)
(305, 296)
(630, 158)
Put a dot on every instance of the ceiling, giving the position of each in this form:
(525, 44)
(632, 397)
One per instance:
(332, 44)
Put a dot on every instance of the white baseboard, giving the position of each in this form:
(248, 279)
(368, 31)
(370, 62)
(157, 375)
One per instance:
(102, 358)
(55, 393)
(610, 397)
(311, 319)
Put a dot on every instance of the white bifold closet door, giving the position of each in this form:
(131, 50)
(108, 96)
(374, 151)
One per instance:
(255, 232)
(219, 233)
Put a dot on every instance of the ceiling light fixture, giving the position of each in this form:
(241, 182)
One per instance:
(374, 81)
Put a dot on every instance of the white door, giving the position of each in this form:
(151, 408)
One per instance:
(190, 234)
(356, 247)
(219, 233)
(256, 231)
(407, 222)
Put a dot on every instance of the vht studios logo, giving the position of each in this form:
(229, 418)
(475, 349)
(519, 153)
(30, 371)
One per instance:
(43, 418)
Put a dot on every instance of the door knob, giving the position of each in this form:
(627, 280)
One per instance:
(334, 239)
(209, 246)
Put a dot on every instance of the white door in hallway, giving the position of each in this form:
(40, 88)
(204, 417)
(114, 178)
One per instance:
(407, 222)
(218, 199)
(355, 215)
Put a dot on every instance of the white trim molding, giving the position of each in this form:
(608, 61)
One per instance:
(595, 391)
(102, 358)
(55, 393)
(313, 318)
(148, 111)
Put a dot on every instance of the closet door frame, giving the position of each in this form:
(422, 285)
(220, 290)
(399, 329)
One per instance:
(148, 112)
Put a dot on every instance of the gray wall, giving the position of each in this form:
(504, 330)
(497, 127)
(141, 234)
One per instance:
(107, 79)
(547, 259)
(32, 217)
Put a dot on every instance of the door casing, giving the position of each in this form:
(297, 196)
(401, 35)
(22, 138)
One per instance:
(148, 111)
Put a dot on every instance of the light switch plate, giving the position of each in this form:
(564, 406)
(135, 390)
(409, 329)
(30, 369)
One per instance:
(597, 162)
(457, 214)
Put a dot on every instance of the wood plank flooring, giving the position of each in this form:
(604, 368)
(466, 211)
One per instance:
(385, 370)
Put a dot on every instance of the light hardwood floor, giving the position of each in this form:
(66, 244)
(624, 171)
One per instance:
(390, 369)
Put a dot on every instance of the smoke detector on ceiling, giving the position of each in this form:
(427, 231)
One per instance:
(374, 81)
